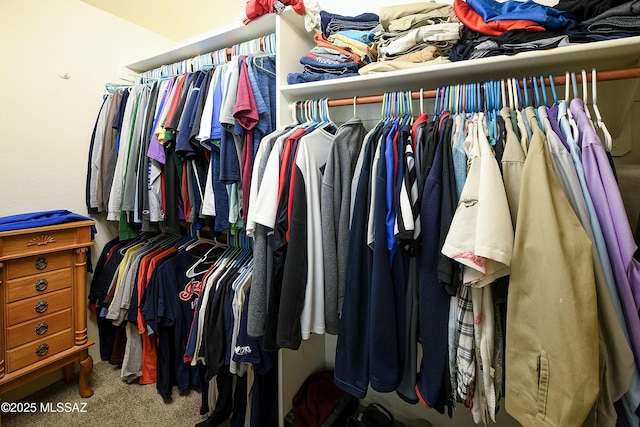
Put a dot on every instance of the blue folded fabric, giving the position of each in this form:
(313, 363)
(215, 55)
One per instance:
(294, 78)
(329, 65)
(39, 219)
(42, 218)
(548, 17)
(361, 36)
(332, 22)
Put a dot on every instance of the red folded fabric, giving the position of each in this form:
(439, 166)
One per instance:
(472, 20)
(297, 5)
(257, 8)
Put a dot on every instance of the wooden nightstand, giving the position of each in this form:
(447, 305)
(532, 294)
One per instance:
(43, 303)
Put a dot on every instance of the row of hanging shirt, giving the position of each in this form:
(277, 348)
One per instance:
(172, 311)
(449, 232)
(181, 148)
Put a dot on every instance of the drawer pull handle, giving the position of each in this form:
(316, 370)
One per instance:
(41, 263)
(42, 284)
(42, 349)
(42, 328)
(42, 306)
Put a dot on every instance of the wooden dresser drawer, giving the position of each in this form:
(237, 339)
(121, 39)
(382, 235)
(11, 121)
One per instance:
(23, 244)
(38, 350)
(38, 328)
(43, 299)
(38, 284)
(38, 264)
(38, 307)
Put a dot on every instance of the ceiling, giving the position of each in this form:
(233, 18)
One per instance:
(174, 20)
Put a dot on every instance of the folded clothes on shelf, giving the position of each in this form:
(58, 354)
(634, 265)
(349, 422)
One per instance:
(332, 23)
(407, 16)
(306, 77)
(624, 18)
(432, 32)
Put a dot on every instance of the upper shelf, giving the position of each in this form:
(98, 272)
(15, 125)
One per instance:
(602, 55)
(209, 42)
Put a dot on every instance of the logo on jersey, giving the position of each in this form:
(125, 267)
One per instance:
(194, 287)
(243, 350)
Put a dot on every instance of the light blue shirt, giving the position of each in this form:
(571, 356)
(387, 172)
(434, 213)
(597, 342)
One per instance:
(460, 156)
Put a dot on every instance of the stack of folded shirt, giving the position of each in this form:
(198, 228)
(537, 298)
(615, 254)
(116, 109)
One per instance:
(505, 28)
(343, 45)
(492, 28)
(415, 34)
(621, 21)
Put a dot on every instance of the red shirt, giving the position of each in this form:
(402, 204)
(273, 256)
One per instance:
(472, 20)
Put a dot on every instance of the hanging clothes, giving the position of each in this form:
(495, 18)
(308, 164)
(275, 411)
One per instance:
(537, 293)
(159, 154)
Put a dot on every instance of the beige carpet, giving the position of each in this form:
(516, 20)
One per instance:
(113, 404)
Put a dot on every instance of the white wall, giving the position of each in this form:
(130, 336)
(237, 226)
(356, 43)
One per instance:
(356, 7)
(46, 120)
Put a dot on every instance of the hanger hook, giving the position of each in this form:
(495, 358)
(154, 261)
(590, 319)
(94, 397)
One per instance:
(552, 83)
(585, 86)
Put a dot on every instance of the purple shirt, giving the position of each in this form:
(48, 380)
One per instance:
(612, 216)
(156, 150)
(553, 118)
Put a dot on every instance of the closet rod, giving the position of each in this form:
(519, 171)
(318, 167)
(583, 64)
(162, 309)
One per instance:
(608, 75)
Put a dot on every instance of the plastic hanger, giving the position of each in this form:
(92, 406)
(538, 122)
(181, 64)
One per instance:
(526, 92)
(114, 87)
(517, 95)
(421, 101)
(574, 84)
(262, 56)
(410, 109)
(444, 104)
(294, 111)
(544, 92)
(585, 95)
(536, 91)
(355, 102)
(510, 93)
(199, 241)
(132, 243)
(552, 83)
(608, 140)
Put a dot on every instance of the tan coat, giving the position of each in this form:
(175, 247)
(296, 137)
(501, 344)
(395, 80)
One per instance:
(552, 363)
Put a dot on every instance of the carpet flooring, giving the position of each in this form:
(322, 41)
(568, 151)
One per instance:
(114, 404)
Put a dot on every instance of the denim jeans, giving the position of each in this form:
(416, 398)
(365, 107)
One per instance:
(331, 22)
(294, 78)
(328, 65)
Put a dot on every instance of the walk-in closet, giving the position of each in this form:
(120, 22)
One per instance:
(300, 213)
